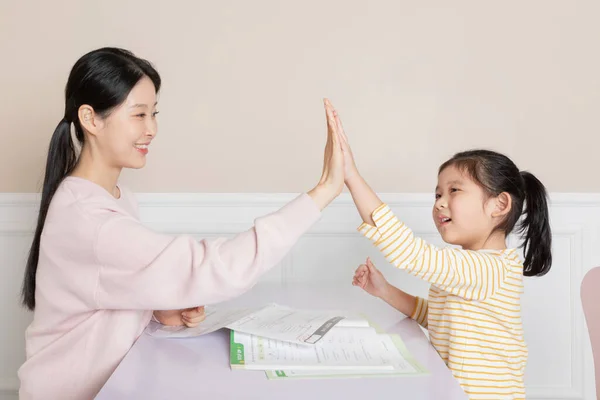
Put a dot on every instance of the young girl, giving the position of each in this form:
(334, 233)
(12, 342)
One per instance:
(473, 313)
(95, 272)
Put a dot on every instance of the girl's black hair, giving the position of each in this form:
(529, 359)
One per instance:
(497, 174)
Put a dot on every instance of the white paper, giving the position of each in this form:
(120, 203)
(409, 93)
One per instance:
(353, 322)
(352, 349)
(272, 321)
(283, 323)
(401, 366)
(343, 372)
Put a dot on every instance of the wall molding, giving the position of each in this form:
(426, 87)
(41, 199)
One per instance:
(17, 210)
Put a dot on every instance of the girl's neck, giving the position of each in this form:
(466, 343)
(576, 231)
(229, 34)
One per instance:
(96, 170)
(495, 241)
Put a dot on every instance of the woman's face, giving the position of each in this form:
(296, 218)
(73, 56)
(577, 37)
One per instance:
(124, 137)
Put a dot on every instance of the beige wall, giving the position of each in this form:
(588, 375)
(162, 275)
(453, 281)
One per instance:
(243, 81)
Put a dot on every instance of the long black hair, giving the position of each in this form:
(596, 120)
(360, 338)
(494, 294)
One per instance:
(496, 174)
(101, 79)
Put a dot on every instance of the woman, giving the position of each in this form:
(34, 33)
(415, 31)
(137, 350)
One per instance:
(95, 273)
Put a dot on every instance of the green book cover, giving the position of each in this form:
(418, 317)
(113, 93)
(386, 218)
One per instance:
(236, 351)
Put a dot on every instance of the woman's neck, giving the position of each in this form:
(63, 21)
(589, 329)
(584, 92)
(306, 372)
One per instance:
(98, 171)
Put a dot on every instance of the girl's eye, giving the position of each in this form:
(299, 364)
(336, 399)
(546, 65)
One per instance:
(155, 113)
(141, 115)
(437, 196)
(453, 190)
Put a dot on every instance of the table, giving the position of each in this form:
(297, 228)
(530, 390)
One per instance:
(198, 368)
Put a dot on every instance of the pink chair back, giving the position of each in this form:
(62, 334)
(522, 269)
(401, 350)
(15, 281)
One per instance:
(590, 298)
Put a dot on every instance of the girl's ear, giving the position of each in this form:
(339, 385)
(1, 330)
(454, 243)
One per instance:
(502, 204)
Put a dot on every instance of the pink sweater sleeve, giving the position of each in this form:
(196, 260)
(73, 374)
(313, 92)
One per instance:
(143, 269)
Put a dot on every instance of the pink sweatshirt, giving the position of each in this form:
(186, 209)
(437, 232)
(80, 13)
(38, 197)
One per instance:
(101, 273)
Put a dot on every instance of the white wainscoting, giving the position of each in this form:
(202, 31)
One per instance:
(560, 365)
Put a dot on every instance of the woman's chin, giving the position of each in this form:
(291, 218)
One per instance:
(136, 164)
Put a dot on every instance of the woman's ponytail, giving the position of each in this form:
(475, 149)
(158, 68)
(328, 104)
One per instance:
(60, 162)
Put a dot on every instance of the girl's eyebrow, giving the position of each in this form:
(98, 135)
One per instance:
(455, 182)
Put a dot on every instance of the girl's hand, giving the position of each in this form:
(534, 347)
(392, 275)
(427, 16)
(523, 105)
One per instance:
(350, 169)
(371, 280)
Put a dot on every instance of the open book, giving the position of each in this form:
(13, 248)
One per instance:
(271, 321)
(351, 348)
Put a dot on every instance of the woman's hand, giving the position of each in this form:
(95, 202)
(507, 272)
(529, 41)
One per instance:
(332, 178)
(190, 317)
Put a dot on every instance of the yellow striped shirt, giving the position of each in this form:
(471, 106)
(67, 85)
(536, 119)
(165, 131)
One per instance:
(473, 314)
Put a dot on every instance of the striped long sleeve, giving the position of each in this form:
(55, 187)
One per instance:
(469, 274)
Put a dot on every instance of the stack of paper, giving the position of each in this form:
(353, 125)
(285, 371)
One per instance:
(350, 349)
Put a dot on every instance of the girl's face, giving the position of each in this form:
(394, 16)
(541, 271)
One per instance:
(462, 212)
